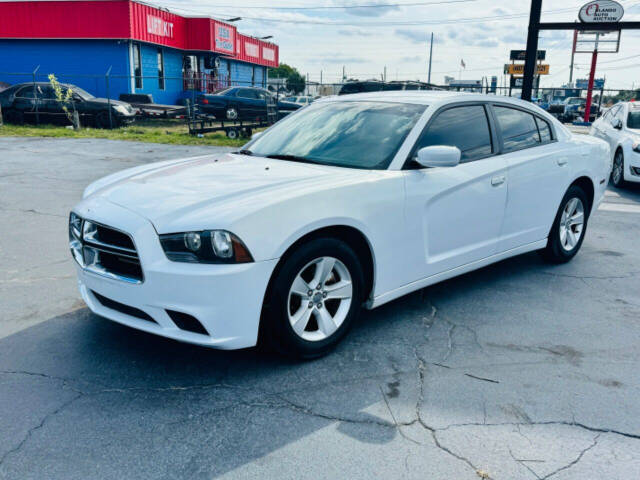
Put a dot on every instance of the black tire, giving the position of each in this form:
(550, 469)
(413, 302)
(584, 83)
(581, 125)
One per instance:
(617, 178)
(15, 117)
(276, 331)
(231, 113)
(232, 133)
(556, 250)
(102, 121)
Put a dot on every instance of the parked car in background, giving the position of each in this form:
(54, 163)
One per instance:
(242, 103)
(31, 102)
(574, 110)
(145, 106)
(620, 127)
(379, 86)
(301, 100)
(351, 202)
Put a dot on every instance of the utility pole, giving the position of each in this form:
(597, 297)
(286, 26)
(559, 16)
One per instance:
(385, 73)
(573, 54)
(430, 56)
(344, 75)
(320, 77)
(532, 49)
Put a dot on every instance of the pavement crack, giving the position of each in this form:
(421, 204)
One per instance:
(575, 461)
(40, 425)
(481, 378)
(522, 462)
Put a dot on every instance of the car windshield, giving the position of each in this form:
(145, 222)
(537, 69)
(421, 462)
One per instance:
(83, 93)
(347, 134)
(633, 121)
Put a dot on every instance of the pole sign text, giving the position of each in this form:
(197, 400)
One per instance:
(159, 26)
(601, 11)
(518, 69)
(521, 54)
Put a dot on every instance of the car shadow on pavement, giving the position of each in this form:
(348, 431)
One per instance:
(86, 397)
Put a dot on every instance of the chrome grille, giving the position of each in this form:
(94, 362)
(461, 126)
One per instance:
(105, 251)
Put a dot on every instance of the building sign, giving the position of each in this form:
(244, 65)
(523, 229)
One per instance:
(601, 11)
(251, 49)
(269, 54)
(160, 27)
(522, 54)
(224, 38)
(518, 69)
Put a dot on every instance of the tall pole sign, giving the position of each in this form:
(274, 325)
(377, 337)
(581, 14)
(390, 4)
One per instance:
(600, 11)
(599, 16)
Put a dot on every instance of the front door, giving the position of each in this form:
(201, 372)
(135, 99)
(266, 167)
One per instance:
(457, 212)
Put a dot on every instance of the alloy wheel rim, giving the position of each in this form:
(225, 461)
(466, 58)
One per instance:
(319, 299)
(617, 169)
(571, 224)
(232, 114)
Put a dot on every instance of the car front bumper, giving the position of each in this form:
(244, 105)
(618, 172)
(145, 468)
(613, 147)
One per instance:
(632, 166)
(225, 299)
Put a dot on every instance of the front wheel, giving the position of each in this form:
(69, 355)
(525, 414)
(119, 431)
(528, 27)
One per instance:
(569, 227)
(313, 300)
(617, 173)
(232, 113)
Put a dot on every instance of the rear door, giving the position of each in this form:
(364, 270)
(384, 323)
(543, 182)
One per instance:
(26, 101)
(538, 174)
(457, 212)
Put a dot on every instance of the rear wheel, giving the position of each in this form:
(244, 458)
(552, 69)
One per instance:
(232, 133)
(617, 173)
(232, 113)
(313, 300)
(569, 227)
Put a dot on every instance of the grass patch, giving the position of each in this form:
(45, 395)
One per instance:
(152, 131)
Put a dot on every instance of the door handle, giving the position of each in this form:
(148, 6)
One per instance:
(561, 161)
(499, 180)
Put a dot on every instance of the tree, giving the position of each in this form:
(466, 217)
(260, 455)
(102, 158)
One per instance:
(293, 79)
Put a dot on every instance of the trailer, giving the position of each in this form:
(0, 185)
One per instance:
(200, 124)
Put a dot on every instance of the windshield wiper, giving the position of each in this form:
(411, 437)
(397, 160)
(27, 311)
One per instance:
(293, 158)
(244, 151)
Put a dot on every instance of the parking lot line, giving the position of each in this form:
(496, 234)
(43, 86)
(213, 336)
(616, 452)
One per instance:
(620, 207)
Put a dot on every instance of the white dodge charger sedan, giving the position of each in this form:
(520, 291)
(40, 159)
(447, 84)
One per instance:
(620, 128)
(351, 202)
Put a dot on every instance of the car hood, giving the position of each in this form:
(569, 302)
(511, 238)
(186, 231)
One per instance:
(177, 193)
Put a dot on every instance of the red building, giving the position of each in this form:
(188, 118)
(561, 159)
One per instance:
(148, 49)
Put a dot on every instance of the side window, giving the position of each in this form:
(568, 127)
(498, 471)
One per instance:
(464, 127)
(25, 92)
(544, 129)
(49, 94)
(518, 128)
(245, 93)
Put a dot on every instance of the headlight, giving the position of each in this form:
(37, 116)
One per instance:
(75, 235)
(209, 246)
(120, 109)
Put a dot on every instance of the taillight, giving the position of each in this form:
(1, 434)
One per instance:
(205, 101)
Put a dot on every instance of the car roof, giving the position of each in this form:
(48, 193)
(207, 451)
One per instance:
(428, 97)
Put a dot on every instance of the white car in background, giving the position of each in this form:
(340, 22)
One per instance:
(301, 100)
(620, 128)
(352, 201)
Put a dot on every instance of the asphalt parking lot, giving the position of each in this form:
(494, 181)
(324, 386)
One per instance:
(521, 370)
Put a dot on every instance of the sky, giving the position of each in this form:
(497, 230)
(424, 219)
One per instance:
(370, 35)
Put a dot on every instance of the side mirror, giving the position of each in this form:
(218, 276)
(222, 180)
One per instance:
(617, 124)
(439, 156)
(256, 135)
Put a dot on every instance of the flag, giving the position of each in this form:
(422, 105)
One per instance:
(462, 64)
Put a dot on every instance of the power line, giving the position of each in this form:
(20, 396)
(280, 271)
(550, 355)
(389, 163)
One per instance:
(392, 23)
(345, 7)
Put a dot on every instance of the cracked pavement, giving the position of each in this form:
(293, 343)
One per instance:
(521, 370)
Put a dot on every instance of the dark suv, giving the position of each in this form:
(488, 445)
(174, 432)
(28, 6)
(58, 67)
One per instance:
(31, 102)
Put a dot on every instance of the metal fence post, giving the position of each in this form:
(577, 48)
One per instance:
(106, 78)
(35, 95)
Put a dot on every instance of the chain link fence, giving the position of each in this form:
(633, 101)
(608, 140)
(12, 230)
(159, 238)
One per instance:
(154, 96)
